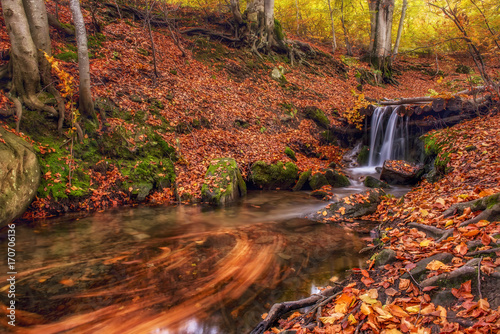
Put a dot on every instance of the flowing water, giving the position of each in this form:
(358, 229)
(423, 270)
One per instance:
(182, 269)
(388, 136)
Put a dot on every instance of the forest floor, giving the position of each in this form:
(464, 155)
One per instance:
(220, 101)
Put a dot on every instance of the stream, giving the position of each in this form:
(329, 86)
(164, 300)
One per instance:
(178, 269)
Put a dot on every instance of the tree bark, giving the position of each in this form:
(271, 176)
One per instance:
(235, 10)
(269, 22)
(86, 104)
(346, 33)
(334, 40)
(400, 30)
(381, 21)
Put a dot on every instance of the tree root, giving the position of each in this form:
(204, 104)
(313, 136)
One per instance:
(433, 231)
(475, 205)
(210, 33)
(277, 310)
(484, 251)
(457, 274)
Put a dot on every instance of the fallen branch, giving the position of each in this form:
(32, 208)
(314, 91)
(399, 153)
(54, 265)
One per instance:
(210, 33)
(277, 310)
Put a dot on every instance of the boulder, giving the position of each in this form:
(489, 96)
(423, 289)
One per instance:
(303, 178)
(401, 172)
(223, 183)
(354, 206)
(372, 182)
(335, 179)
(19, 176)
(318, 180)
(274, 176)
(317, 115)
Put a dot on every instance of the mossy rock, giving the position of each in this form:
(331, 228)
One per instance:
(223, 183)
(303, 178)
(337, 180)
(385, 256)
(363, 156)
(142, 176)
(318, 193)
(290, 153)
(463, 69)
(372, 182)
(318, 180)
(328, 137)
(278, 30)
(317, 115)
(274, 176)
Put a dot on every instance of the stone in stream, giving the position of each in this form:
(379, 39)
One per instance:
(223, 182)
(19, 176)
(318, 180)
(335, 179)
(273, 176)
(372, 182)
(302, 182)
(354, 206)
(400, 172)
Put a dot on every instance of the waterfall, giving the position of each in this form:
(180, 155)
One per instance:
(388, 136)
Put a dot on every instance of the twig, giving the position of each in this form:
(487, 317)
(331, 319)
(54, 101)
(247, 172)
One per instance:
(414, 280)
(484, 251)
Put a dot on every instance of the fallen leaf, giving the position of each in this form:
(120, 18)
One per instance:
(436, 265)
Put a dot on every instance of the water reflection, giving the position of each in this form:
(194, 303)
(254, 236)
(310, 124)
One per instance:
(182, 269)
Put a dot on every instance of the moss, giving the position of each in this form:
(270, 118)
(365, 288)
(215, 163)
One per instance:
(278, 30)
(223, 182)
(364, 156)
(68, 56)
(336, 180)
(317, 181)
(328, 136)
(317, 115)
(94, 41)
(274, 176)
(290, 153)
(303, 178)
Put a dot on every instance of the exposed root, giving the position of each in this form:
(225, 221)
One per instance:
(277, 310)
(19, 111)
(433, 231)
(476, 205)
(460, 274)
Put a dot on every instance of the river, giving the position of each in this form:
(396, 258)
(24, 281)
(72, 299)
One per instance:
(177, 269)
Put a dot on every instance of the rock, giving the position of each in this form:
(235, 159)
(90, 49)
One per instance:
(274, 176)
(378, 169)
(19, 176)
(335, 179)
(141, 190)
(319, 194)
(290, 153)
(350, 156)
(365, 204)
(317, 115)
(303, 178)
(385, 256)
(277, 74)
(332, 165)
(363, 156)
(223, 183)
(401, 172)
(372, 182)
(419, 271)
(318, 180)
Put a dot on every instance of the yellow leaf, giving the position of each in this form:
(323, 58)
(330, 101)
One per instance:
(367, 299)
(424, 213)
(449, 222)
(413, 309)
(392, 331)
(436, 265)
(324, 213)
(352, 320)
(425, 243)
(332, 318)
(342, 210)
(365, 309)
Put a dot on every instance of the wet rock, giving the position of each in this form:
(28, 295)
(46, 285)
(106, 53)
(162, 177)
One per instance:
(385, 256)
(303, 178)
(336, 180)
(319, 194)
(363, 156)
(274, 176)
(318, 180)
(19, 176)
(223, 183)
(372, 182)
(399, 172)
(364, 204)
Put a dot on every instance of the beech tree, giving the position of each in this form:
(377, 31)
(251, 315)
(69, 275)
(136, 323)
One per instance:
(381, 13)
(86, 104)
(27, 26)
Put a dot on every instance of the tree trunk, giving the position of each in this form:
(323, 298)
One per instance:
(334, 40)
(269, 22)
(262, 32)
(382, 23)
(25, 73)
(346, 33)
(235, 10)
(372, 7)
(400, 30)
(86, 104)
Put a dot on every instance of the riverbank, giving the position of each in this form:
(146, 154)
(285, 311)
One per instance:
(156, 137)
(435, 264)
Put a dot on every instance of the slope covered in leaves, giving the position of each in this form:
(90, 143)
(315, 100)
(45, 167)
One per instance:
(216, 101)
